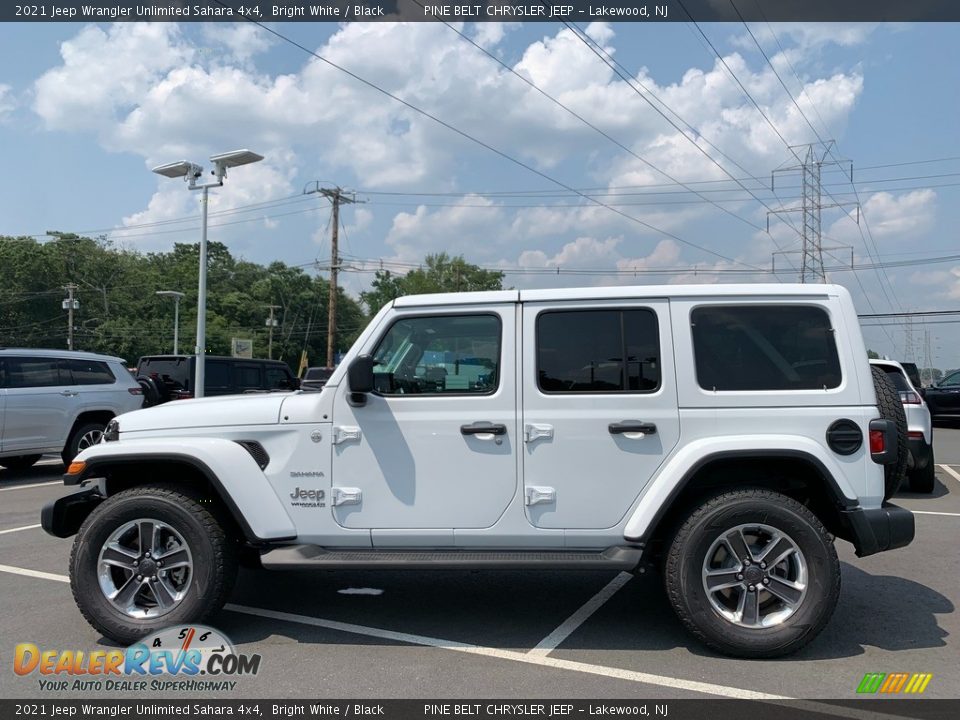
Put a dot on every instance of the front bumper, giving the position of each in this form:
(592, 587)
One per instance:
(884, 528)
(64, 516)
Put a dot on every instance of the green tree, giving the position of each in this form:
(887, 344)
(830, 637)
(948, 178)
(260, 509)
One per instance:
(440, 273)
(873, 355)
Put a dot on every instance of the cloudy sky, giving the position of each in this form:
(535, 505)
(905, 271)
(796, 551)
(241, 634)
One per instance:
(526, 121)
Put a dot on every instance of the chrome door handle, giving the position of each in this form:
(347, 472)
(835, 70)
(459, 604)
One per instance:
(69, 393)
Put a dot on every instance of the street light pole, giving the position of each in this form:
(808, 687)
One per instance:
(191, 172)
(176, 316)
(271, 323)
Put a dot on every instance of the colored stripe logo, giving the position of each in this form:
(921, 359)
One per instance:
(893, 683)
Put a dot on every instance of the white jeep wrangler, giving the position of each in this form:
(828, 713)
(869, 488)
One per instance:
(726, 433)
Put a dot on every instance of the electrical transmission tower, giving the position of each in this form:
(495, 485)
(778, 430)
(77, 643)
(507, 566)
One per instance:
(812, 159)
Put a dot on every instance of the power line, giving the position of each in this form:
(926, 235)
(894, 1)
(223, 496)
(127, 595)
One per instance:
(487, 146)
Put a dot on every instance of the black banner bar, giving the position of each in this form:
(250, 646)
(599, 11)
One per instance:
(484, 11)
(443, 709)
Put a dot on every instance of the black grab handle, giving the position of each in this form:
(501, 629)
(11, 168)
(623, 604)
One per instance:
(632, 426)
(481, 428)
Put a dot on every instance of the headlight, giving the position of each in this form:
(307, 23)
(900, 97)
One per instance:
(112, 432)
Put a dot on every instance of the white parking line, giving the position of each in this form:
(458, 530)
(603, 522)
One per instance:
(25, 527)
(609, 672)
(48, 462)
(33, 573)
(950, 471)
(566, 628)
(543, 661)
(32, 485)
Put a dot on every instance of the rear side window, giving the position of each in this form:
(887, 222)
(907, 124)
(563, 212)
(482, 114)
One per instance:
(896, 377)
(248, 377)
(764, 347)
(26, 372)
(598, 351)
(87, 372)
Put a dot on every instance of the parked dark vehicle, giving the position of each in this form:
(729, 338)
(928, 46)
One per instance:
(171, 377)
(913, 373)
(943, 398)
(315, 378)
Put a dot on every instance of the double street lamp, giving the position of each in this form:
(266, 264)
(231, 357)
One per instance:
(192, 172)
(176, 295)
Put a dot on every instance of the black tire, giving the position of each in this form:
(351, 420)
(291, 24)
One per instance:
(19, 462)
(684, 573)
(81, 434)
(891, 408)
(923, 480)
(213, 554)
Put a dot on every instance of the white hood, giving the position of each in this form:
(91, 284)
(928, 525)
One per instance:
(229, 410)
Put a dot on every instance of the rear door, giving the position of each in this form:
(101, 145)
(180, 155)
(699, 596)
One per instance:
(599, 408)
(247, 376)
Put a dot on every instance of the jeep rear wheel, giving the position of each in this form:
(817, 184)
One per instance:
(147, 558)
(753, 573)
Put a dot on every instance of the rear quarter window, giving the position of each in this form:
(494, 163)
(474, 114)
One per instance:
(764, 347)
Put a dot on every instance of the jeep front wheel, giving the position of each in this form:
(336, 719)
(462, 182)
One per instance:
(147, 558)
(753, 573)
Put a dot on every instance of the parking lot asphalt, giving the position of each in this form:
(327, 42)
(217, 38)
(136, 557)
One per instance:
(352, 634)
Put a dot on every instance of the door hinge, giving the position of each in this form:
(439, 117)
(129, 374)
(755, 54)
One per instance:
(539, 494)
(346, 496)
(535, 431)
(344, 433)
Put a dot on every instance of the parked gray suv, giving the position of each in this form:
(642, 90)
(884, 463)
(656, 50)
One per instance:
(58, 401)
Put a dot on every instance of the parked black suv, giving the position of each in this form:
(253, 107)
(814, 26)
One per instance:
(315, 378)
(171, 377)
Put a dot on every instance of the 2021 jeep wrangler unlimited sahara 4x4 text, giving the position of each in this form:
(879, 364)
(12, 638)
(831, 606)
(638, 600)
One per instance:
(726, 433)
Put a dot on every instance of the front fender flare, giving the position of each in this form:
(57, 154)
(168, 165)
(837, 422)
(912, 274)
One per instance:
(230, 469)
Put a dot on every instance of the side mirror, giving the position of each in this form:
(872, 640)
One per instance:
(360, 379)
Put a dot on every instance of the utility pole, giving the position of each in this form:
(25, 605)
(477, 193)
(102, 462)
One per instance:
(70, 305)
(271, 323)
(336, 196)
(814, 158)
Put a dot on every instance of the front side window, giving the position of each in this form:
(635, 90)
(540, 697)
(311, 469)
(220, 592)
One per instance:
(248, 377)
(598, 351)
(951, 380)
(277, 378)
(452, 354)
(764, 347)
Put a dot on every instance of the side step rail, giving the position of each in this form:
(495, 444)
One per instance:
(312, 557)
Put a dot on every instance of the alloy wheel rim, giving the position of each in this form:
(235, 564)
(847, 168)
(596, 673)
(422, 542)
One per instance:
(144, 568)
(755, 576)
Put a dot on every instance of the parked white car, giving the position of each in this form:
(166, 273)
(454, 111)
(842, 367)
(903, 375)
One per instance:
(57, 401)
(921, 469)
(729, 433)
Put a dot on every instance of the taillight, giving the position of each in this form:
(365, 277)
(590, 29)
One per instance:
(909, 397)
(135, 391)
(877, 442)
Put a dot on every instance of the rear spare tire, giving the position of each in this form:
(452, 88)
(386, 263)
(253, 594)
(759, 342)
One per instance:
(891, 408)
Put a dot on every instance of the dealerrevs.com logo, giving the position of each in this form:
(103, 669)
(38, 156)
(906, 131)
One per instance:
(179, 658)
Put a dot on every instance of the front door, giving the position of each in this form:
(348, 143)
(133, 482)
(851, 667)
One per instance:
(599, 409)
(434, 447)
